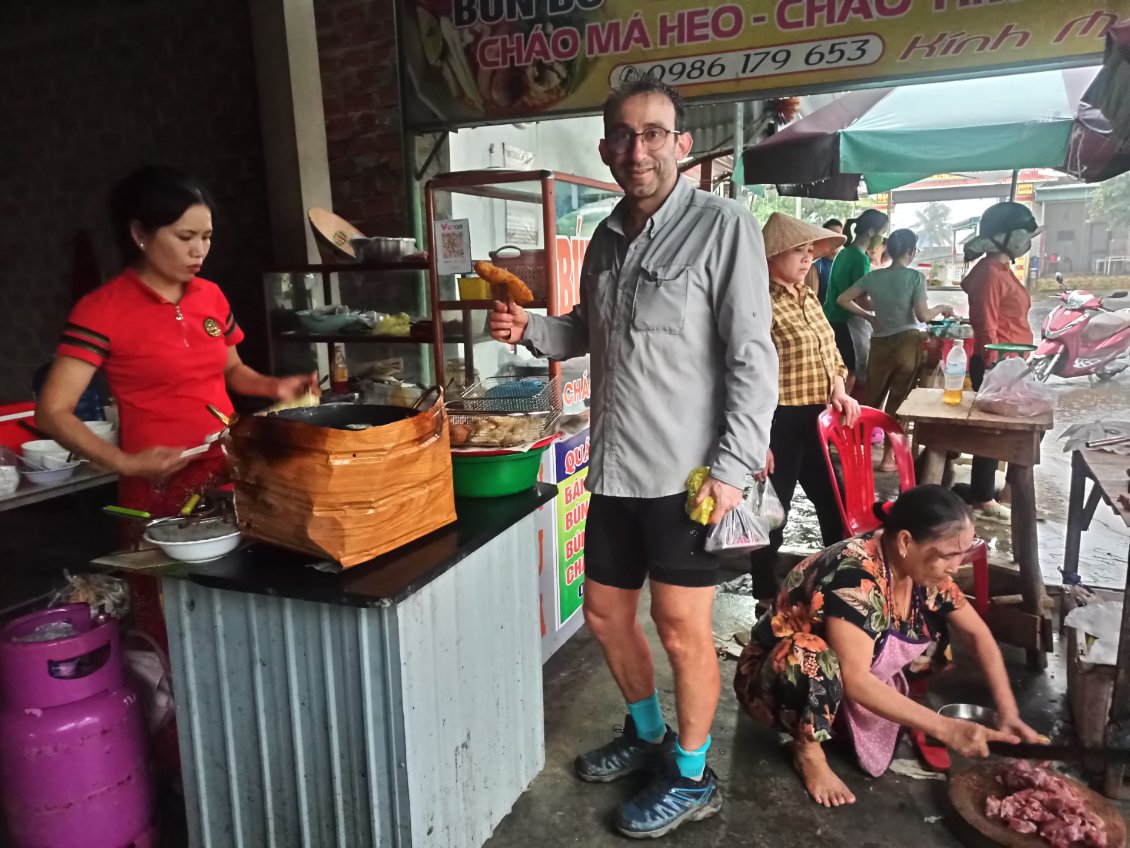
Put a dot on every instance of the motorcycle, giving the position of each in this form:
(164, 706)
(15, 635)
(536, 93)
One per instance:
(1083, 336)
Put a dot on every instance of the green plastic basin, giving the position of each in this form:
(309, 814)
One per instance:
(495, 476)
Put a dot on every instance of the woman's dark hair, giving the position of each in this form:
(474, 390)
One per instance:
(154, 197)
(832, 222)
(646, 84)
(900, 243)
(869, 219)
(925, 512)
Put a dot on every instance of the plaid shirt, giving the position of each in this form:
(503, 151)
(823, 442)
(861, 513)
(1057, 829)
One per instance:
(806, 347)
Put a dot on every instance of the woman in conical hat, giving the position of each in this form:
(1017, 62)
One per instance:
(811, 378)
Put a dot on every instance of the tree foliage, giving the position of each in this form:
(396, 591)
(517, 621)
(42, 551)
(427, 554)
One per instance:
(933, 225)
(1111, 202)
(813, 210)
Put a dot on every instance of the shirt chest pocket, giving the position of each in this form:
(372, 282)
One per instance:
(661, 299)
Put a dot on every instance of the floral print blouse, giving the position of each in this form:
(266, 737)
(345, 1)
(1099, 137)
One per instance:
(849, 581)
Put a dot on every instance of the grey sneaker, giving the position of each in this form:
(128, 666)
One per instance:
(668, 801)
(624, 755)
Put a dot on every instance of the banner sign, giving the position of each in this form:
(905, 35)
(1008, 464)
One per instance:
(572, 466)
(493, 61)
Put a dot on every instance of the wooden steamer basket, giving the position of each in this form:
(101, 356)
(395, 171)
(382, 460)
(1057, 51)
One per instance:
(304, 483)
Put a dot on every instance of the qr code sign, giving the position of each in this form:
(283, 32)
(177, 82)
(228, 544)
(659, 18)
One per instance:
(451, 244)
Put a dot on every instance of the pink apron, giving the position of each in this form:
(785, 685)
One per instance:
(873, 736)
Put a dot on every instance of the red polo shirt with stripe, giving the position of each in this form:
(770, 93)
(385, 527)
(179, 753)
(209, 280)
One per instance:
(164, 361)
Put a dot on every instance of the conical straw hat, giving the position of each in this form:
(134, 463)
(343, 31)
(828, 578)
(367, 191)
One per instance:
(784, 232)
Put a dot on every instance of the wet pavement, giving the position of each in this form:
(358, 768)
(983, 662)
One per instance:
(765, 805)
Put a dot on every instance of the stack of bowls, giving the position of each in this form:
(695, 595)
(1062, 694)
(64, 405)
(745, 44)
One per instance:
(45, 453)
(104, 430)
(50, 461)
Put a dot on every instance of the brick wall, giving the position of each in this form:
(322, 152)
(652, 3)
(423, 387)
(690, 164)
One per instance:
(361, 95)
(91, 90)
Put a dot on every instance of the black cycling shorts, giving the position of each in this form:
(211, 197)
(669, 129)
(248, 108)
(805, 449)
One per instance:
(630, 539)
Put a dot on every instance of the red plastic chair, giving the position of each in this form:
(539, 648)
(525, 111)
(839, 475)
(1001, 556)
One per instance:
(857, 499)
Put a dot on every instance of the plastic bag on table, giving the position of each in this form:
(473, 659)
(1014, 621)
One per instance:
(1011, 389)
(739, 531)
(763, 502)
(9, 472)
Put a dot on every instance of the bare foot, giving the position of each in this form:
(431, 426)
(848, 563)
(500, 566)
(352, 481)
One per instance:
(823, 786)
(887, 463)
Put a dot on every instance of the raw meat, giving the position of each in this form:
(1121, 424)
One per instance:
(1040, 801)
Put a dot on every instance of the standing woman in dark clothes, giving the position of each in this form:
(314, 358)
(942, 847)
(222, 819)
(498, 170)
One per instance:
(850, 266)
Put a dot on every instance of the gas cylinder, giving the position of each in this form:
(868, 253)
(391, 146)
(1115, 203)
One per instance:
(73, 766)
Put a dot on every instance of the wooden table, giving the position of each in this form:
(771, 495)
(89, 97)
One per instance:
(941, 428)
(1107, 472)
(1108, 475)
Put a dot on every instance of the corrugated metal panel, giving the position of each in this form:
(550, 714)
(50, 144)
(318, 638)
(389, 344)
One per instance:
(311, 725)
(285, 711)
(473, 646)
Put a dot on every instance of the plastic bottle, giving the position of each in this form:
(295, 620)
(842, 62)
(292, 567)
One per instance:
(339, 371)
(954, 372)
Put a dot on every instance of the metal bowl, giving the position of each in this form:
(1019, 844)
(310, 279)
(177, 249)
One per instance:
(970, 712)
(382, 248)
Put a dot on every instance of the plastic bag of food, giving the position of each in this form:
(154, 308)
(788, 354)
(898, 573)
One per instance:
(1011, 389)
(739, 531)
(9, 472)
(764, 503)
(105, 595)
(699, 513)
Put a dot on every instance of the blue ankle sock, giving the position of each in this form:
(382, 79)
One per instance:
(692, 764)
(648, 717)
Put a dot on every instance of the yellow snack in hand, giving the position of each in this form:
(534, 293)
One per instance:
(517, 290)
(698, 512)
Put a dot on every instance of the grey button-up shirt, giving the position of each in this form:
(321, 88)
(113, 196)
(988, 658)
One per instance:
(684, 372)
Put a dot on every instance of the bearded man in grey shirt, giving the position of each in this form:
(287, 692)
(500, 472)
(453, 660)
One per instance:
(674, 311)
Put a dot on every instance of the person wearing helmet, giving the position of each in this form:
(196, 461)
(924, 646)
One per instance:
(998, 309)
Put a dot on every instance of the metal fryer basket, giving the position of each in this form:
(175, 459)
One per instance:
(500, 395)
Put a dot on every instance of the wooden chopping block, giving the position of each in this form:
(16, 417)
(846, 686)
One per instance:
(969, 790)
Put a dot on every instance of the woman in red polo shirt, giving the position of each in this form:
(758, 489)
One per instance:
(166, 339)
(998, 309)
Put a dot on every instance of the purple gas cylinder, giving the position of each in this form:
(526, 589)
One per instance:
(73, 766)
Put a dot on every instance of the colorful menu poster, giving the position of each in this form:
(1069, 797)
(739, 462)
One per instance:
(572, 464)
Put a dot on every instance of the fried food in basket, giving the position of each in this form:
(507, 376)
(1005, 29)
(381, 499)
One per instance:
(517, 290)
(496, 430)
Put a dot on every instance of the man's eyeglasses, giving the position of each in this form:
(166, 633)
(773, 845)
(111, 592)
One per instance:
(620, 141)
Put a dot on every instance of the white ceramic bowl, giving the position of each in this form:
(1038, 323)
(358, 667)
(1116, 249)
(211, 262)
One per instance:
(104, 430)
(192, 550)
(45, 453)
(50, 478)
